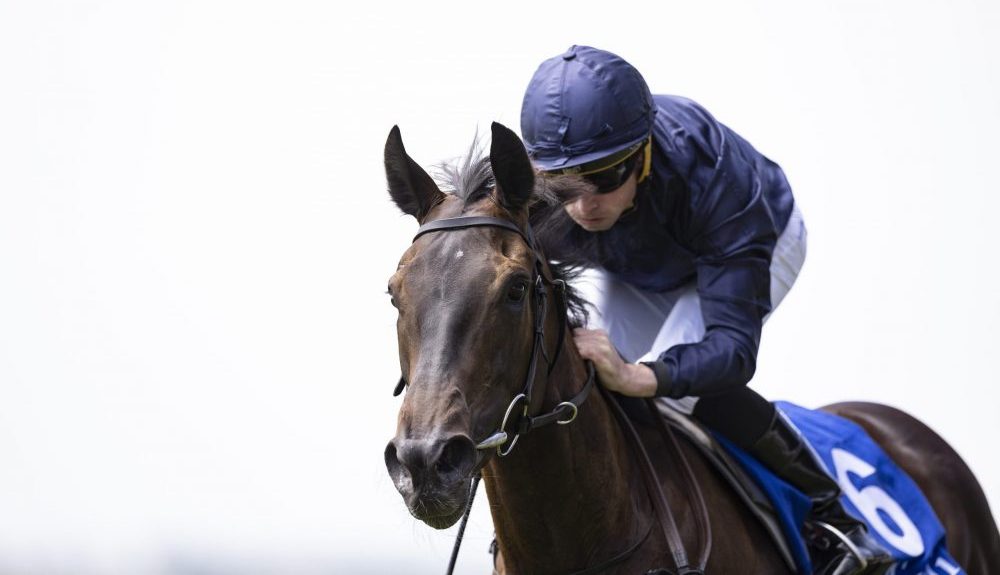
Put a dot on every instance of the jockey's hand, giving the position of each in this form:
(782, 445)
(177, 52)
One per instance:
(614, 373)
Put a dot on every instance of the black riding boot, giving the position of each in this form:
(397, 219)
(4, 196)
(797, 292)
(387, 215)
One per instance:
(784, 452)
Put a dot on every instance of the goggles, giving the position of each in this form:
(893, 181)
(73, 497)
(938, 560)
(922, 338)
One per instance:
(614, 177)
(610, 173)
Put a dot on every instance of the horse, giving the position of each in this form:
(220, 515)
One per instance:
(471, 293)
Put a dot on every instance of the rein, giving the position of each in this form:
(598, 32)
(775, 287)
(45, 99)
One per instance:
(661, 507)
(517, 422)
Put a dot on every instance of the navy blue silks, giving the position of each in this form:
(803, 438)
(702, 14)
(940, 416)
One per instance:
(710, 214)
(717, 207)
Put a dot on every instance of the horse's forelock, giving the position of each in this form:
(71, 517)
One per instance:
(470, 178)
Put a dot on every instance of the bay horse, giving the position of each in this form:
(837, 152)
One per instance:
(472, 328)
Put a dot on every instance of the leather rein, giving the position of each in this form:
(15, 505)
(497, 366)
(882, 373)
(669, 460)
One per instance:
(517, 421)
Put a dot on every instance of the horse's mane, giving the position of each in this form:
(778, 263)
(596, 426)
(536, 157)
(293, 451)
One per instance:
(470, 178)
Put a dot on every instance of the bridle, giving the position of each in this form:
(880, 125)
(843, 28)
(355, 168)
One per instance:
(516, 421)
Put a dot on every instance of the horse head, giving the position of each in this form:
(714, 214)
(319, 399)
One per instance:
(466, 302)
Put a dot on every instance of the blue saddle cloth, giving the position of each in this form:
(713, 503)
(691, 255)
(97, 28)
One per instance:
(874, 488)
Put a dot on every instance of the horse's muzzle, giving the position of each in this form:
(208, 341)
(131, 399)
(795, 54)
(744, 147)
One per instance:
(432, 476)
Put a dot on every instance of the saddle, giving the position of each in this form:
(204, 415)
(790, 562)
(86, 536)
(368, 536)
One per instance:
(742, 483)
(875, 490)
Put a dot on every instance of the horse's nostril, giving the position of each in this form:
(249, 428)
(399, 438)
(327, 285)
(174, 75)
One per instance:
(456, 456)
(392, 460)
(412, 463)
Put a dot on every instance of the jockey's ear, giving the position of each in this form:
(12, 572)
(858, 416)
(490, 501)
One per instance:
(512, 169)
(410, 187)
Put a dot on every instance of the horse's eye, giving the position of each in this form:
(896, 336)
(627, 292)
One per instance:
(517, 291)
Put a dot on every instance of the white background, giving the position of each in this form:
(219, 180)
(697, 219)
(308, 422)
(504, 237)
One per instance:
(196, 354)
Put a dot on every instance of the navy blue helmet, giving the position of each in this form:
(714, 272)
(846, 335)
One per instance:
(585, 107)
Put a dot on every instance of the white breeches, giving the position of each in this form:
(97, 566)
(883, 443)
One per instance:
(643, 324)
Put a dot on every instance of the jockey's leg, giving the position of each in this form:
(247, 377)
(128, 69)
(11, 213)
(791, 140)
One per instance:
(747, 419)
(782, 449)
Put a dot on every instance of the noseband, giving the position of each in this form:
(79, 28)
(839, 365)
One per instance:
(516, 420)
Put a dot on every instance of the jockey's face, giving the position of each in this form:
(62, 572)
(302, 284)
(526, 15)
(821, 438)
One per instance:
(598, 212)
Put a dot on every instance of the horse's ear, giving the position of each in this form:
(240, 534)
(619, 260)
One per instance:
(512, 169)
(411, 188)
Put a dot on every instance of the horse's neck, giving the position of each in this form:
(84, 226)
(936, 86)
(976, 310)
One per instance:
(563, 497)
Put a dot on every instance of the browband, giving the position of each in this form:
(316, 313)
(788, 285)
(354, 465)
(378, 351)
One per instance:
(471, 222)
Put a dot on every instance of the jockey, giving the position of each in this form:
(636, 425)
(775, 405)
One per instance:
(694, 238)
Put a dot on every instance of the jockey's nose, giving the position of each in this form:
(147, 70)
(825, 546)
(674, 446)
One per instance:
(588, 204)
(416, 464)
